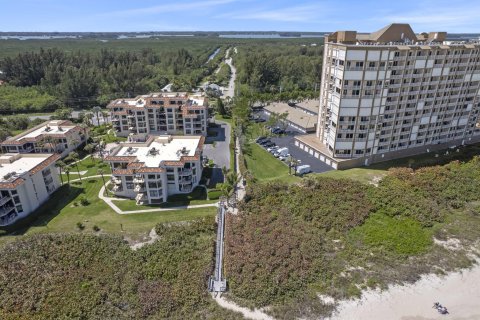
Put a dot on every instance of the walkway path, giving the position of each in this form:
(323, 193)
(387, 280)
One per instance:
(109, 201)
(230, 91)
(247, 313)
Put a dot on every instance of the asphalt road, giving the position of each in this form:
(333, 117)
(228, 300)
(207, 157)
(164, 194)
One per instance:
(75, 115)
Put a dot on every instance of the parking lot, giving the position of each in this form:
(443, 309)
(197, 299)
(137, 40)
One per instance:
(304, 157)
(287, 140)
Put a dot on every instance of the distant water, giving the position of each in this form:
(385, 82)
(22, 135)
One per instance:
(146, 36)
(37, 37)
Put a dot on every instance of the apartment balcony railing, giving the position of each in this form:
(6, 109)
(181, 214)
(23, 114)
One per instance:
(6, 210)
(4, 200)
(116, 180)
(138, 180)
(185, 172)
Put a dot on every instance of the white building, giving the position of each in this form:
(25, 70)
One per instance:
(160, 113)
(394, 93)
(26, 181)
(55, 136)
(161, 166)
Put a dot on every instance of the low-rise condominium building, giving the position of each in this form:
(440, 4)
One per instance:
(160, 113)
(55, 136)
(156, 168)
(393, 93)
(26, 181)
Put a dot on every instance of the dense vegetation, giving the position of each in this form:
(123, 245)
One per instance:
(337, 236)
(99, 277)
(81, 78)
(279, 72)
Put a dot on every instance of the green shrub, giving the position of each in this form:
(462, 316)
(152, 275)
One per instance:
(80, 226)
(84, 201)
(96, 228)
(214, 194)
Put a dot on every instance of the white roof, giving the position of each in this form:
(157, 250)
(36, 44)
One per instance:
(163, 150)
(18, 164)
(53, 129)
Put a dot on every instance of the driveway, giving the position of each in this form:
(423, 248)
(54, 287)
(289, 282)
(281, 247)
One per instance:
(230, 90)
(217, 148)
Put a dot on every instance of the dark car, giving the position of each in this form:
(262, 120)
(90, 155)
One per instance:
(268, 145)
(265, 142)
(260, 139)
(260, 120)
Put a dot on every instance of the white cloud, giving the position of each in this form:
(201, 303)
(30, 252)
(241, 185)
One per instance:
(305, 13)
(172, 7)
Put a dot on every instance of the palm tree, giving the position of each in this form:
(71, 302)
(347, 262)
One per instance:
(97, 110)
(100, 172)
(105, 117)
(90, 148)
(74, 156)
(67, 172)
(88, 118)
(60, 165)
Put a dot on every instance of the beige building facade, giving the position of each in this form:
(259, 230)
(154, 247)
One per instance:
(160, 113)
(394, 93)
(150, 171)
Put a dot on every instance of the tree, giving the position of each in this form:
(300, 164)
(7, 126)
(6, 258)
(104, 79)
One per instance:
(97, 111)
(105, 117)
(60, 165)
(90, 149)
(74, 156)
(63, 113)
(67, 172)
(101, 172)
(221, 107)
(88, 118)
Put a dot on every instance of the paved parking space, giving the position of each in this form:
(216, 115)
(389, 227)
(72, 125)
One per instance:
(288, 141)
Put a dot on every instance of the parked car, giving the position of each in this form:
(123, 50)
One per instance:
(268, 145)
(265, 142)
(284, 158)
(260, 139)
(301, 170)
(281, 152)
(260, 120)
(273, 149)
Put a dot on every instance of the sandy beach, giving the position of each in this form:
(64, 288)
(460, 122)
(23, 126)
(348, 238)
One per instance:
(459, 292)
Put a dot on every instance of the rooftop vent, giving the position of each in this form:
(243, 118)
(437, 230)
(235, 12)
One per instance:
(153, 151)
(47, 128)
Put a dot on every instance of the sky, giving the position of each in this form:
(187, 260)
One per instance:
(237, 15)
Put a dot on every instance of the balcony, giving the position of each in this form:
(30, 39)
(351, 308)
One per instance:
(4, 200)
(6, 210)
(139, 188)
(185, 181)
(141, 198)
(138, 180)
(116, 180)
(185, 172)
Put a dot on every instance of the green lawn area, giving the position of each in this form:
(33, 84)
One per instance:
(265, 166)
(90, 166)
(59, 214)
(196, 197)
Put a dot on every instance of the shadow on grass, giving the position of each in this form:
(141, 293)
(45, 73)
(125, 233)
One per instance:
(47, 211)
(433, 158)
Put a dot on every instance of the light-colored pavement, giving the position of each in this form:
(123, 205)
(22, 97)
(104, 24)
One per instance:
(230, 90)
(75, 115)
(109, 201)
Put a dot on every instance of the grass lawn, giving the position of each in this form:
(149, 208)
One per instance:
(59, 214)
(265, 166)
(90, 166)
(197, 196)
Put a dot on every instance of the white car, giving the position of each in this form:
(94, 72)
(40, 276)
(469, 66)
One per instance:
(273, 149)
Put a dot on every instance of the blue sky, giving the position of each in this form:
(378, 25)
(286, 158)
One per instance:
(237, 15)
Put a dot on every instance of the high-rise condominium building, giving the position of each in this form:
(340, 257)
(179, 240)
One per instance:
(394, 93)
(160, 113)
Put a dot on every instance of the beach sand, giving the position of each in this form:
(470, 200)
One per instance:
(459, 292)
